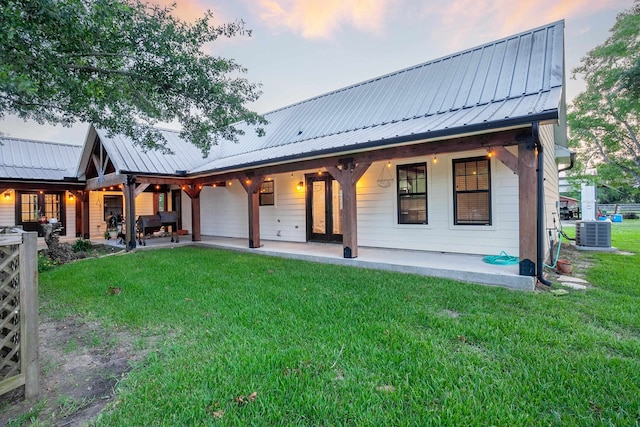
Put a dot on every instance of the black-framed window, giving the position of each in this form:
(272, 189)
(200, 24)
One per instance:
(266, 193)
(412, 193)
(472, 191)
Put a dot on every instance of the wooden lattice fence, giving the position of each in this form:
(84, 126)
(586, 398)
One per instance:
(18, 312)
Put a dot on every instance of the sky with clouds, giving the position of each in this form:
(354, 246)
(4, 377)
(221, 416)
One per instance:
(302, 48)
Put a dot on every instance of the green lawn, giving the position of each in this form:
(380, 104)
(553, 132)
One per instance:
(328, 345)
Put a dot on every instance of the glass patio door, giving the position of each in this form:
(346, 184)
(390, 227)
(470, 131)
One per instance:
(324, 209)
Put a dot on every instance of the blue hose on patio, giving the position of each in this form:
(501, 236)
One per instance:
(502, 259)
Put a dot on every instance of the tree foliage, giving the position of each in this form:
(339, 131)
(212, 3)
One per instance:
(124, 66)
(604, 120)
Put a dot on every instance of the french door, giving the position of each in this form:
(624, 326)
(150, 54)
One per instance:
(324, 209)
(34, 208)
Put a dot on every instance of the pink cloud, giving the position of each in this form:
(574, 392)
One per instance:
(322, 18)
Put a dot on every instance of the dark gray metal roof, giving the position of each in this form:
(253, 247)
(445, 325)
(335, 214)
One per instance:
(37, 160)
(513, 81)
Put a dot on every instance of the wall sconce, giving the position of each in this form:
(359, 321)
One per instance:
(300, 186)
(490, 152)
(71, 197)
(435, 159)
(7, 195)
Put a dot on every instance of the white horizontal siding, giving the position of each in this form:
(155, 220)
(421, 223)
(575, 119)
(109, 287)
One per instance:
(551, 183)
(377, 211)
(70, 214)
(97, 224)
(7, 209)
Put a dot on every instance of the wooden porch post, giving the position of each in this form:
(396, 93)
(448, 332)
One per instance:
(252, 186)
(193, 191)
(527, 183)
(348, 177)
(130, 215)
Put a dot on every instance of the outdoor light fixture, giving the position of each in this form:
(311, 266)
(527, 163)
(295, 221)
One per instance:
(435, 159)
(490, 152)
(389, 164)
(70, 196)
(300, 186)
(7, 194)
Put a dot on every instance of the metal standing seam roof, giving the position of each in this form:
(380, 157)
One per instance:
(512, 81)
(509, 82)
(37, 160)
(128, 157)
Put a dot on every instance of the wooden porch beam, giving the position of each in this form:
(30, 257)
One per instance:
(140, 188)
(348, 177)
(528, 196)
(109, 180)
(252, 185)
(130, 213)
(485, 141)
(147, 179)
(507, 158)
(193, 191)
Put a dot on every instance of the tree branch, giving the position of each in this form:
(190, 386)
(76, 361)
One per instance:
(98, 70)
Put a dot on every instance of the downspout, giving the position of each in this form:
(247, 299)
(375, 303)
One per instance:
(540, 208)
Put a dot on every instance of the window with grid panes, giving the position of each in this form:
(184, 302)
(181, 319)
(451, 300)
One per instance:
(412, 193)
(266, 193)
(472, 191)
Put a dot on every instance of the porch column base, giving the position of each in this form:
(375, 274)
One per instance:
(347, 253)
(527, 268)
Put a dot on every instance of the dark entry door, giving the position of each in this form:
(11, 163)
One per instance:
(324, 209)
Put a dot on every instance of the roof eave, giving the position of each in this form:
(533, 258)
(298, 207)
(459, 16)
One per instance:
(510, 123)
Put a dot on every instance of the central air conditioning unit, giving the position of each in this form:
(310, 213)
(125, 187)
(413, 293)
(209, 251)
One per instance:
(593, 234)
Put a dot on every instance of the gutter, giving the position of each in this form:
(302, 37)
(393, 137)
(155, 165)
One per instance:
(540, 206)
(572, 163)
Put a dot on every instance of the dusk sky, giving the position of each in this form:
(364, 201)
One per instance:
(303, 48)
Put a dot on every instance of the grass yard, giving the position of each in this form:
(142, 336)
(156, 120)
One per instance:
(252, 340)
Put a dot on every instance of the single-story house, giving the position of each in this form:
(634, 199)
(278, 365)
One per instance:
(454, 155)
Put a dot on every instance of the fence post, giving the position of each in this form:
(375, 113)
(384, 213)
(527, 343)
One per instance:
(29, 313)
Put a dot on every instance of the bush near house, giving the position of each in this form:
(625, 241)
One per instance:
(253, 340)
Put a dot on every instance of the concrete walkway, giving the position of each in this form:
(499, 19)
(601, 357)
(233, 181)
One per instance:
(465, 268)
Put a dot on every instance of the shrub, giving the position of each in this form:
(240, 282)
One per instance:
(81, 245)
(45, 263)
